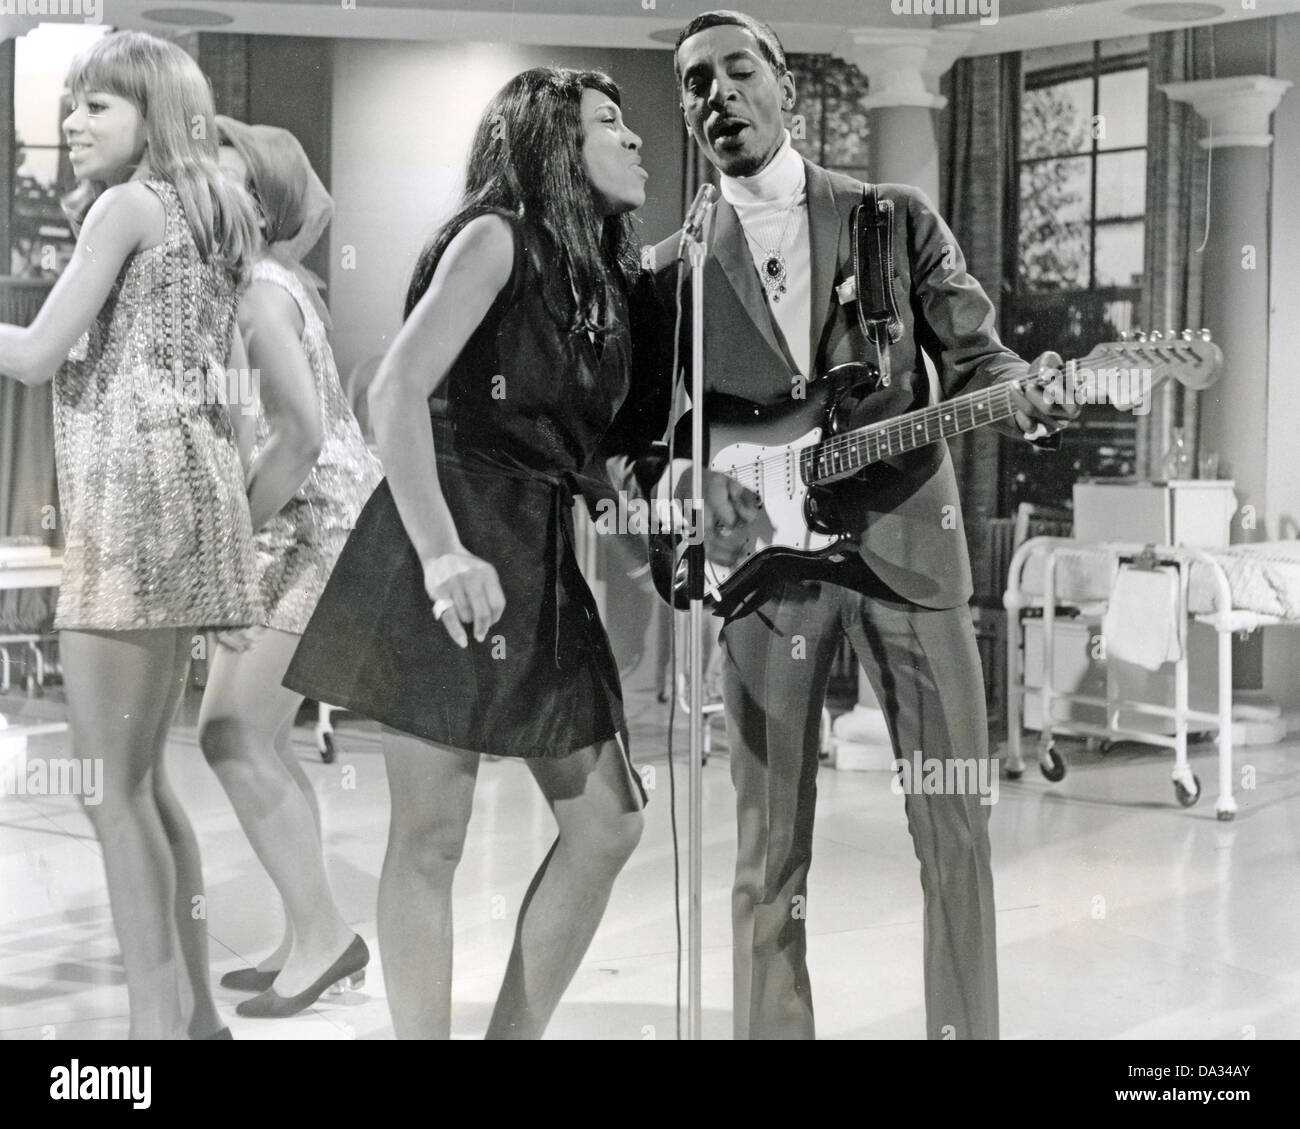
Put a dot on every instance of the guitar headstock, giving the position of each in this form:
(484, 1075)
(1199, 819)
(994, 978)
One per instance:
(1124, 372)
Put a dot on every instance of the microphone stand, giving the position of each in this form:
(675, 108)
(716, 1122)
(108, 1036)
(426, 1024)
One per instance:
(696, 250)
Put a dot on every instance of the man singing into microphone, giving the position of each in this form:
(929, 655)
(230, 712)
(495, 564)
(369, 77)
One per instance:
(779, 308)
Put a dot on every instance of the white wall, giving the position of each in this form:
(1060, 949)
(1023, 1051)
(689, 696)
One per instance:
(404, 114)
(1282, 646)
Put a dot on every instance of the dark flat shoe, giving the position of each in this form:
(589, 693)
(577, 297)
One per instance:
(249, 979)
(349, 971)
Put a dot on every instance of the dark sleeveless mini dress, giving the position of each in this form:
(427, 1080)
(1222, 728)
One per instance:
(527, 405)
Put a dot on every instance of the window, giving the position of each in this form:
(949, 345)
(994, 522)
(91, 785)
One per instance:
(1080, 187)
(40, 240)
(1082, 168)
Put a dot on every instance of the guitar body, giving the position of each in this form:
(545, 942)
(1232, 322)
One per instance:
(760, 447)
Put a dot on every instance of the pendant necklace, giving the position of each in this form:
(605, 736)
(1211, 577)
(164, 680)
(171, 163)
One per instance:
(772, 266)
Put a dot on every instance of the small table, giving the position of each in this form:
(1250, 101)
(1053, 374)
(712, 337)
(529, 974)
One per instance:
(20, 571)
(30, 574)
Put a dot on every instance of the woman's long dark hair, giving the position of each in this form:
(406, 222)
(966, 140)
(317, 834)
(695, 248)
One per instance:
(526, 158)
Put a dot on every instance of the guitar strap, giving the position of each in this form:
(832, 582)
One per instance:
(871, 225)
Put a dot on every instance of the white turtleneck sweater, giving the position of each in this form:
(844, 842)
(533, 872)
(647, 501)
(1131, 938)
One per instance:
(761, 202)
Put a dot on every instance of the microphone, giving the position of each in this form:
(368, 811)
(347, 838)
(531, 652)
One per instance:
(693, 228)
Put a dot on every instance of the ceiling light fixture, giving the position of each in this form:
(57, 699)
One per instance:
(188, 17)
(1174, 12)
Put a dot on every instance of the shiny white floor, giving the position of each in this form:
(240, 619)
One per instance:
(1120, 915)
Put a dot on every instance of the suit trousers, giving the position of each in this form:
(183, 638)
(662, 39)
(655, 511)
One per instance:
(924, 667)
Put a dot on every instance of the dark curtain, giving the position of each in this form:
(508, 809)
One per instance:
(976, 151)
(1176, 201)
(224, 59)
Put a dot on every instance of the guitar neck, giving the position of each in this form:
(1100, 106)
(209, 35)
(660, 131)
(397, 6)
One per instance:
(853, 450)
(1121, 373)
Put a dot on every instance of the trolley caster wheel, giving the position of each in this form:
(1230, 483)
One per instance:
(328, 753)
(1225, 816)
(1054, 770)
(1185, 797)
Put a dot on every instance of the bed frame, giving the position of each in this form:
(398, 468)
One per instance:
(1225, 620)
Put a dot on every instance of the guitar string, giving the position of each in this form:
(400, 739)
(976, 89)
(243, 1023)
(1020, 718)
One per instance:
(895, 433)
(939, 413)
(885, 434)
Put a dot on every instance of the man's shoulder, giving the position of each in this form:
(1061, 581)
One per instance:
(843, 183)
(847, 190)
(839, 181)
(905, 193)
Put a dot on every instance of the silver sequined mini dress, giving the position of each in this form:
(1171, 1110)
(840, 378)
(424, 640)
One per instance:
(297, 548)
(151, 489)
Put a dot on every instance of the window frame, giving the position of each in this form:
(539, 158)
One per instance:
(1092, 69)
(1104, 440)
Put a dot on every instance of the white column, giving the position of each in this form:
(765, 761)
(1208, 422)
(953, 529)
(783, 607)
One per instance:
(903, 68)
(1282, 648)
(1234, 412)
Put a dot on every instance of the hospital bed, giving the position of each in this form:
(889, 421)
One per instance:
(1239, 588)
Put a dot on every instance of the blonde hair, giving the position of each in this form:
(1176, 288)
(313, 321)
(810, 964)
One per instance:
(174, 100)
(295, 207)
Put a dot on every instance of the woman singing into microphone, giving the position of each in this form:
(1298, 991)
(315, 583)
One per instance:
(457, 615)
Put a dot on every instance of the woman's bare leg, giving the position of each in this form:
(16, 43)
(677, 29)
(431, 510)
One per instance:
(244, 709)
(274, 960)
(190, 905)
(590, 796)
(432, 790)
(293, 766)
(120, 688)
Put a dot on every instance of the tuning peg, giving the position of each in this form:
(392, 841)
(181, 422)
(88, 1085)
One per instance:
(1187, 334)
(1155, 335)
(1123, 335)
(1205, 334)
(1139, 335)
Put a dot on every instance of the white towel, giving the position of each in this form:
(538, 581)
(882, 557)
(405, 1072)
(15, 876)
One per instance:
(1142, 622)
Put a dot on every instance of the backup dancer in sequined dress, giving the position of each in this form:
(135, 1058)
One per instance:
(310, 476)
(457, 614)
(136, 336)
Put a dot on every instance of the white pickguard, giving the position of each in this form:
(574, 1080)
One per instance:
(773, 474)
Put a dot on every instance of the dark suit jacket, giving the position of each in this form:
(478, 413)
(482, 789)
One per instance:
(909, 514)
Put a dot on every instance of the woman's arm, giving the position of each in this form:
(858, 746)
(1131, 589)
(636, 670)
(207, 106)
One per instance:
(242, 420)
(124, 219)
(271, 324)
(475, 267)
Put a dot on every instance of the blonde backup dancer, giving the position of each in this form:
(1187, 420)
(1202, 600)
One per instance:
(158, 539)
(310, 475)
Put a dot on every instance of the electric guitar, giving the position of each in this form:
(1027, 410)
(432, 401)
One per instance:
(793, 453)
